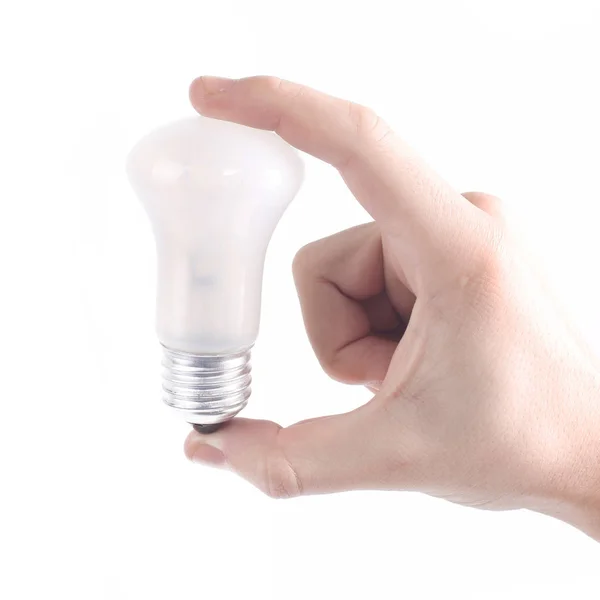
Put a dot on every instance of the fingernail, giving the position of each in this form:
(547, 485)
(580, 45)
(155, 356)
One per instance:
(207, 450)
(209, 86)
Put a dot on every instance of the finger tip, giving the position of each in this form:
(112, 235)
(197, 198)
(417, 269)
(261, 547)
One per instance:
(196, 93)
(198, 449)
(197, 438)
(190, 444)
(208, 88)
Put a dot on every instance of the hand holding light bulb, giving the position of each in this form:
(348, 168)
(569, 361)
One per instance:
(483, 393)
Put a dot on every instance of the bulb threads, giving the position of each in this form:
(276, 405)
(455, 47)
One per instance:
(206, 389)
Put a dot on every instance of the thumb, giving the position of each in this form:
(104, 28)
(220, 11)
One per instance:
(323, 455)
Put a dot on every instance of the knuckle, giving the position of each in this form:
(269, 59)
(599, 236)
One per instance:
(268, 82)
(338, 368)
(305, 260)
(491, 285)
(280, 86)
(330, 364)
(368, 124)
(484, 283)
(281, 480)
(486, 202)
(495, 256)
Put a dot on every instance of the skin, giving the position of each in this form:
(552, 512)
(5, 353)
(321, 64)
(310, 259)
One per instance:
(484, 394)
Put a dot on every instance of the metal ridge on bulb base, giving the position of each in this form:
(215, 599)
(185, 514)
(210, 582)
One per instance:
(206, 389)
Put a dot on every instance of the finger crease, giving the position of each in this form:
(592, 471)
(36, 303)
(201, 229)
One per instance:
(299, 486)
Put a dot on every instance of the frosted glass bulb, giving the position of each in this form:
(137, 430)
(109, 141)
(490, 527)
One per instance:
(214, 192)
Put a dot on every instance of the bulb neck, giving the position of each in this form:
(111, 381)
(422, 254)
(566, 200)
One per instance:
(206, 389)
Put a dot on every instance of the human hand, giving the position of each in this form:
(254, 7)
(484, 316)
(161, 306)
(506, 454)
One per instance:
(483, 394)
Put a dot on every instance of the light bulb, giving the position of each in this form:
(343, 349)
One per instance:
(214, 192)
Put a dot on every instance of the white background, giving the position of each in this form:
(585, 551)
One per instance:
(96, 498)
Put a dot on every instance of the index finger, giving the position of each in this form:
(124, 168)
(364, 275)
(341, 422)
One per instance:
(400, 191)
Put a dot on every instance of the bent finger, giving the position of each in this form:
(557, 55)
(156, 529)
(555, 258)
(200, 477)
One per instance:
(349, 317)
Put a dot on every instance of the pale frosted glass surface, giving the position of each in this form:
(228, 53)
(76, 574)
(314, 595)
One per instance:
(214, 192)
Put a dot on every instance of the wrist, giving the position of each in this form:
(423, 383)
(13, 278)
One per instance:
(573, 492)
(581, 512)
(586, 517)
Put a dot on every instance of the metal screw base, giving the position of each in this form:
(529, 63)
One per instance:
(206, 390)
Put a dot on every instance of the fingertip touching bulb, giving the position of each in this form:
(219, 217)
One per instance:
(214, 192)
